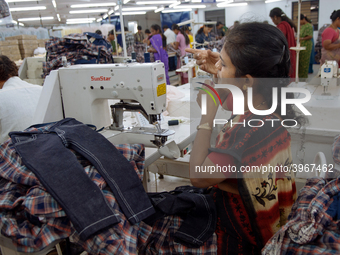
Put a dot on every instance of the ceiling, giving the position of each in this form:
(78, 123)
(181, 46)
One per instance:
(63, 8)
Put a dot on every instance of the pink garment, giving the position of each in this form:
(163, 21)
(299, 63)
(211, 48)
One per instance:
(182, 46)
(330, 34)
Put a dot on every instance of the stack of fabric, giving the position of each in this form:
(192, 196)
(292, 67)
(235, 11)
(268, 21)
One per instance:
(35, 210)
(86, 48)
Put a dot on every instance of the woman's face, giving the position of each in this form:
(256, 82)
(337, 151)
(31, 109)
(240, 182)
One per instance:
(153, 31)
(176, 31)
(337, 22)
(207, 30)
(226, 70)
(275, 20)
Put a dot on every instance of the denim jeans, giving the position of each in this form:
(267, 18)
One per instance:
(195, 206)
(48, 156)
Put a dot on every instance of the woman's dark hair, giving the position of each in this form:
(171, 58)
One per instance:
(279, 13)
(335, 15)
(158, 28)
(8, 68)
(98, 32)
(200, 31)
(147, 31)
(187, 40)
(265, 56)
(305, 17)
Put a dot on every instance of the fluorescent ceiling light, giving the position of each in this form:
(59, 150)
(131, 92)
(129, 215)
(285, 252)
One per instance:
(12, 1)
(54, 4)
(174, 4)
(14, 22)
(21, 24)
(156, 2)
(194, 6)
(272, 1)
(58, 16)
(93, 5)
(196, 1)
(126, 1)
(88, 11)
(110, 12)
(231, 5)
(226, 1)
(105, 16)
(159, 9)
(79, 22)
(37, 18)
(130, 13)
(20, 9)
(140, 8)
(117, 8)
(178, 10)
(80, 19)
(99, 20)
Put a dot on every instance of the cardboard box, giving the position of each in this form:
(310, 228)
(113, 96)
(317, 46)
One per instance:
(22, 37)
(26, 55)
(9, 43)
(14, 52)
(42, 45)
(28, 47)
(28, 42)
(8, 48)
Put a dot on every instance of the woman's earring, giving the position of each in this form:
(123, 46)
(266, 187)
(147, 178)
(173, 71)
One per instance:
(244, 87)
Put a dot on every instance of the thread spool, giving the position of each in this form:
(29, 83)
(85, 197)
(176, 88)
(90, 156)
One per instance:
(147, 57)
(133, 56)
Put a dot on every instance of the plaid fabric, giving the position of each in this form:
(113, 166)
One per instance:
(336, 149)
(33, 219)
(74, 47)
(161, 240)
(310, 229)
(4, 10)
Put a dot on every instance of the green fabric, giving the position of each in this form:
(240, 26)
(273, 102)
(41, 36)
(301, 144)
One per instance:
(113, 46)
(304, 58)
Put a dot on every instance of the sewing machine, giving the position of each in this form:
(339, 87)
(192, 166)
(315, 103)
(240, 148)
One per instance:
(82, 92)
(329, 74)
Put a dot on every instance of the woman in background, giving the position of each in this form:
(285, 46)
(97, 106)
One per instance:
(158, 42)
(306, 36)
(330, 40)
(187, 30)
(203, 34)
(288, 28)
(182, 41)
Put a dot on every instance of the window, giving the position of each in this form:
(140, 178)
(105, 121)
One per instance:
(132, 26)
(217, 15)
(309, 9)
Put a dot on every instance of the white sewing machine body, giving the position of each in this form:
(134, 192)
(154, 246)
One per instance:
(82, 92)
(329, 73)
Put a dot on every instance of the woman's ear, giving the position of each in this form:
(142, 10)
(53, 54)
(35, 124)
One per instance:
(249, 80)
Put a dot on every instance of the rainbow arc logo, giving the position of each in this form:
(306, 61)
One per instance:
(209, 93)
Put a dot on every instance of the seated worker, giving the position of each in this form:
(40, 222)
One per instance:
(203, 34)
(111, 38)
(169, 34)
(18, 99)
(221, 29)
(251, 205)
(331, 40)
(139, 36)
(147, 35)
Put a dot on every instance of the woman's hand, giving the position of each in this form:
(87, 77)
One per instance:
(205, 59)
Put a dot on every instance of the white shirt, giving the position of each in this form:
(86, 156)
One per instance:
(18, 101)
(170, 36)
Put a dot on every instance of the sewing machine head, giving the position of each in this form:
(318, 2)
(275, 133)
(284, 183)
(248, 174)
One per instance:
(329, 73)
(85, 91)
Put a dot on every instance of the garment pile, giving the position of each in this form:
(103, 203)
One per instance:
(85, 48)
(64, 180)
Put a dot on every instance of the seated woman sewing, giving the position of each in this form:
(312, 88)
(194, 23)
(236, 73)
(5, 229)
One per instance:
(251, 205)
(330, 40)
(18, 99)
